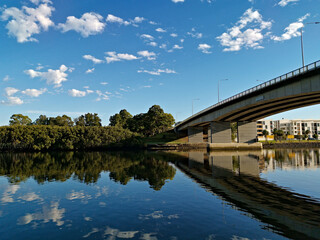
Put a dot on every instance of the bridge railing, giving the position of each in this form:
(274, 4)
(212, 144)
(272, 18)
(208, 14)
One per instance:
(271, 82)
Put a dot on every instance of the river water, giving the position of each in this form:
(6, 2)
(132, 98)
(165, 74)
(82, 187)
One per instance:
(272, 194)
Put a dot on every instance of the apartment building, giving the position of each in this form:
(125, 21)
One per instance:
(290, 127)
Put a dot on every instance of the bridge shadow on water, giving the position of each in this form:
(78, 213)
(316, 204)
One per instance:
(235, 177)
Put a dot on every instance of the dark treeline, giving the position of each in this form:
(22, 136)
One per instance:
(86, 167)
(84, 132)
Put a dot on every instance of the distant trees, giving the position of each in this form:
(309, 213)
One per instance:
(120, 119)
(19, 120)
(88, 120)
(153, 122)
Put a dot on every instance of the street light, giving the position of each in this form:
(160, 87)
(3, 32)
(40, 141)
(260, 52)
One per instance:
(302, 53)
(226, 79)
(196, 99)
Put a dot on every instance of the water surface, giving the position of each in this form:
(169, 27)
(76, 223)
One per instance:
(140, 195)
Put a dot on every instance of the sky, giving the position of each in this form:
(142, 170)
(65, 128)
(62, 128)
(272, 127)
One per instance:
(100, 56)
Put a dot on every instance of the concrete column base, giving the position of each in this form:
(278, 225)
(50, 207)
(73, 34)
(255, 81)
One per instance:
(195, 134)
(220, 132)
(247, 132)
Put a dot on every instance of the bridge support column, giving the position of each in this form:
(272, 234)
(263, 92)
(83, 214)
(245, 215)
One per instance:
(195, 134)
(247, 132)
(220, 132)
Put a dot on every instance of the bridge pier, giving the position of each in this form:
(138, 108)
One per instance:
(195, 134)
(247, 132)
(220, 132)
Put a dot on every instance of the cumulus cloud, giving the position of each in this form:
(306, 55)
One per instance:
(89, 24)
(91, 70)
(293, 30)
(147, 36)
(177, 1)
(203, 47)
(241, 35)
(174, 35)
(102, 96)
(147, 54)
(158, 71)
(93, 59)
(117, 57)
(161, 30)
(52, 77)
(34, 92)
(113, 19)
(194, 33)
(77, 93)
(25, 22)
(153, 44)
(11, 100)
(284, 3)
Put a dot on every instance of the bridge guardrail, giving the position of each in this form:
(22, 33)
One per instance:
(271, 82)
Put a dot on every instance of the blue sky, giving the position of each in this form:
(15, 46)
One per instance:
(77, 56)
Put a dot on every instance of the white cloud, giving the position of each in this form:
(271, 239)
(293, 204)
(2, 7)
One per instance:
(90, 70)
(147, 36)
(34, 92)
(177, 1)
(7, 195)
(26, 22)
(54, 77)
(176, 46)
(104, 83)
(293, 30)
(203, 47)
(153, 44)
(158, 72)
(6, 78)
(148, 55)
(89, 24)
(284, 3)
(195, 34)
(11, 100)
(161, 30)
(29, 197)
(174, 35)
(117, 57)
(102, 96)
(113, 19)
(77, 93)
(138, 19)
(240, 36)
(93, 59)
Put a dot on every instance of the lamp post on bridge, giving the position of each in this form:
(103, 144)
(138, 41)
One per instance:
(196, 99)
(226, 79)
(301, 34)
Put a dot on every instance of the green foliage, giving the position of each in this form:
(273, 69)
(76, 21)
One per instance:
(88, 120)
(62, 121)
(42, 120)
(19, 119)
(44, 138)
(120, 119)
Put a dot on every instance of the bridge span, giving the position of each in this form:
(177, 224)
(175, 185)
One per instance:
(296, 89)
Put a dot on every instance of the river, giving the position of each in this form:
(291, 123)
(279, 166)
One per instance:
(269, 194)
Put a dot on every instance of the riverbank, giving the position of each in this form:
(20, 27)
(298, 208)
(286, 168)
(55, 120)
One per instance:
(302, 144)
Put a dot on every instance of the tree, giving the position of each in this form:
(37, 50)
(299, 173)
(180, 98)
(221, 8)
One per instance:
(234, 131)
(63, 120)
(42, 120)
(120, 119)
(265, 133)
(315, 136)
(19, 119)
(88, 120)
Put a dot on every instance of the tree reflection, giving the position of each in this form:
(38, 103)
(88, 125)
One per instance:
(86, 167)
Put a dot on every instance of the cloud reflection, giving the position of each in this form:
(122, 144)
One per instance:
(52, 213)
(7, 195)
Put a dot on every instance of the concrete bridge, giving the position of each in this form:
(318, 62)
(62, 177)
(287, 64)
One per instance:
(293, 90)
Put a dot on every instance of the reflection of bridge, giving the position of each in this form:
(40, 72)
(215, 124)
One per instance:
(236, 179)
(293, 90)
